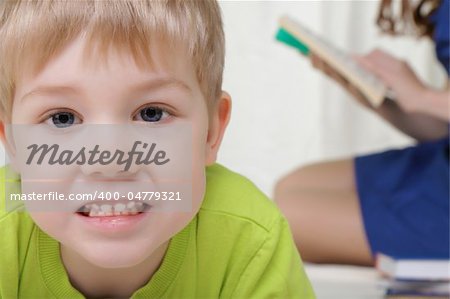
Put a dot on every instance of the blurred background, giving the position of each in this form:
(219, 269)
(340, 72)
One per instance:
(286, 114)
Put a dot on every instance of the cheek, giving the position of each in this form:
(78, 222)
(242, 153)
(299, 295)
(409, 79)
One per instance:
(199, 152)
(199, 139)
(52, 223)
(198, 187)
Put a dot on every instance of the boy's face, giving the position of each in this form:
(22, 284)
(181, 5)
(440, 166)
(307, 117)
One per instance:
(69, 92)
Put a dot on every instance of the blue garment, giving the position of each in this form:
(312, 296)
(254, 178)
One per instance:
(404, 194)
(440, 19)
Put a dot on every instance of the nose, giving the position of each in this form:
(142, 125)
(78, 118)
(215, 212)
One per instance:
(111, 153)
(110, 163)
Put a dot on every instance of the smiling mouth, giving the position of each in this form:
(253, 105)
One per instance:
(113, 209)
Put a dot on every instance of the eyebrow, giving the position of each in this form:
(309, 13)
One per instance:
(153, 84)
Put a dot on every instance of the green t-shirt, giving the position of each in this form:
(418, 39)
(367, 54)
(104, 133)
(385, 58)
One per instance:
(237, 246)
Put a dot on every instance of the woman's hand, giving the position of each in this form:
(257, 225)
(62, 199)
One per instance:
(410, 92)
(418, 111)
(321, 65)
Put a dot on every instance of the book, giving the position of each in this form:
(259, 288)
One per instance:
(408, 296)
(416, 289)
(300, 37)
(413, 269)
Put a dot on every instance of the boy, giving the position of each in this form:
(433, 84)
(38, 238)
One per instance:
(156, 66)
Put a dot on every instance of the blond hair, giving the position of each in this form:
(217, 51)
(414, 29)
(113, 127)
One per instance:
(34, 32)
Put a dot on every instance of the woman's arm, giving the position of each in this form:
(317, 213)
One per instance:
(418, 111)
(419, 126)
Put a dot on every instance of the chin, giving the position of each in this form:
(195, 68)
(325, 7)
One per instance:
(117, 254)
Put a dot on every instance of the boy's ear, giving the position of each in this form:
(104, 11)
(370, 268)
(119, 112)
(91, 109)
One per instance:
(6, 142)
(219, 118)
(3, 138)
(2, 133)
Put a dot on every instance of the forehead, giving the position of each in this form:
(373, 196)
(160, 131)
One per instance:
(80, 60)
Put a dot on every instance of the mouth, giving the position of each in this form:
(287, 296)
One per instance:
(120, 208)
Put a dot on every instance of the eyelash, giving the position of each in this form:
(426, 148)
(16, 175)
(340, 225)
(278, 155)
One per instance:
(167, 111)
(48, 116)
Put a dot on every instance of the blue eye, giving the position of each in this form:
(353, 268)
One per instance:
(152, 114)
(63, 119)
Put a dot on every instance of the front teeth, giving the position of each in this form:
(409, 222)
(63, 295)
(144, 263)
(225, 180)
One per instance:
(94, 210)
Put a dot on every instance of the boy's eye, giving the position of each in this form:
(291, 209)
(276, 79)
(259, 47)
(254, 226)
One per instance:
(63, 119)
(151, 114)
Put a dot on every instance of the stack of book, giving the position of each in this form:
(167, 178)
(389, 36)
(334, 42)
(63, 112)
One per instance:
(414, 278)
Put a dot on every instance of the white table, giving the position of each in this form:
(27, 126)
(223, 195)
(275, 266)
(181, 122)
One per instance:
(346, 282)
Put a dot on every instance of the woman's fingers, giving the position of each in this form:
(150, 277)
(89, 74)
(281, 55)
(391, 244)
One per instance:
(387, 67)
(315, 60)
(318, 63)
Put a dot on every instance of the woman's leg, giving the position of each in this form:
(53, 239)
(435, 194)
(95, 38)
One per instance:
(322, 206)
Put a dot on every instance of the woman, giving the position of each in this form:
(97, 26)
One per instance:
(395, 202)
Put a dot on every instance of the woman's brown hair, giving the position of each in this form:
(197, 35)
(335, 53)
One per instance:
(410, 20)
